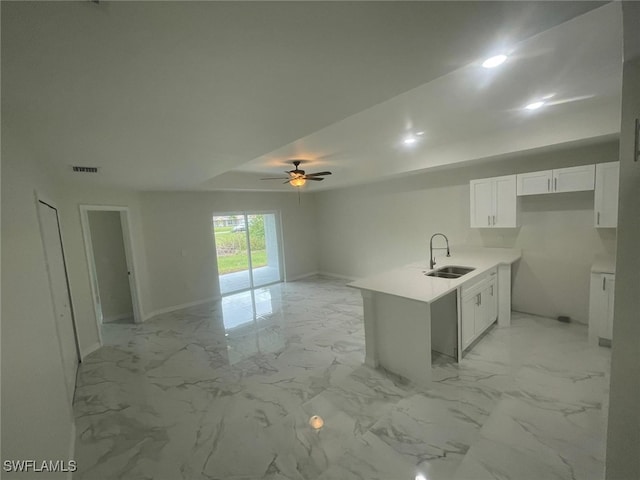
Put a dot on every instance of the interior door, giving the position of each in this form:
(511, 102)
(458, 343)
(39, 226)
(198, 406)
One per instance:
(61, 300)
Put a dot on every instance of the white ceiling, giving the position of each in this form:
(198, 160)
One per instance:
(182, 95)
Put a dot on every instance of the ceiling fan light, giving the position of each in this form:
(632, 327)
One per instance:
(297, 182)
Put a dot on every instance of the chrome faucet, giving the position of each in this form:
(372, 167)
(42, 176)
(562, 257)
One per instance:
(432, 260)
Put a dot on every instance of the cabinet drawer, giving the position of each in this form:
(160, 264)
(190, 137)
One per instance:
(476, 284)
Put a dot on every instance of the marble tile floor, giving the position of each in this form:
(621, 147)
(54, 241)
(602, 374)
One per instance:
(225, 391)
(235, 281)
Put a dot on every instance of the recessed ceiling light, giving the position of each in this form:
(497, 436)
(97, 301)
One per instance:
(494, 61)
(534, 105)
(547, 97)
(420, 133)
(409, 140)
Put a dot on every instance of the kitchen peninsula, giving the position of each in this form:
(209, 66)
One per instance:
(408, 313)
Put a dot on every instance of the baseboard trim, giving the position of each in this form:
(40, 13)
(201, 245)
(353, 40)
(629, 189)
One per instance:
(541, 315)
(88, 351)
(337, 275)
(115, 318)
(179, 307)
(300, 277)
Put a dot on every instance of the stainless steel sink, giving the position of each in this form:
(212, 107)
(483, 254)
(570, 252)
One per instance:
(450, 272)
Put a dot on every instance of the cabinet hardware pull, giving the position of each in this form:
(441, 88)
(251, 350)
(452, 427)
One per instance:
(555, 184)
(636, 151)
(492, 290)
(548, 184)
(478, 299)
(494, 219)
(604, 282)
(598, 221)
(488, 219)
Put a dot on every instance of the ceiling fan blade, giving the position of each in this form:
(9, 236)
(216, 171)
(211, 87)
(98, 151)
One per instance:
(288, 181)
(314, 179)
(317, 174)
(273, 178)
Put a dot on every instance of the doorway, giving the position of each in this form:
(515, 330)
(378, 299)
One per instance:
(114, 293)
(247, 250)
(60, 294)
(109, 251)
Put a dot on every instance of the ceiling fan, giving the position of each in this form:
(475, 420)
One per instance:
(297, 177)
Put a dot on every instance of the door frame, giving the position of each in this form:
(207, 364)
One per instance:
(45, 200)
(246, 213)
(127, 240)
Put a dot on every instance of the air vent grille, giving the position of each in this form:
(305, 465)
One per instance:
(85, 169)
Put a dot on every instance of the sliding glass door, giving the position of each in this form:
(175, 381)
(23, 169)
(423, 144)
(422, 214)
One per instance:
(247, 249)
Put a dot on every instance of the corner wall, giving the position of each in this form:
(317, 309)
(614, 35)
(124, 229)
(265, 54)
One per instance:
(623, 436)
(370, 228)
(37, 421)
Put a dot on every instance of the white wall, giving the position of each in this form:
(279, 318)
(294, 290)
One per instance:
(370, 228)
(70, 197)
(111, 265)
(37, 422)
(623, 438)
(178, 232)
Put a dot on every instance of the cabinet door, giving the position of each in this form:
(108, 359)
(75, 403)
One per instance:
(505, 202)
(492, 302)
(607, 327)
(606, 194)
(481, 207)
(533, 183)
(469, 305)
(598, 304)
(574, 179)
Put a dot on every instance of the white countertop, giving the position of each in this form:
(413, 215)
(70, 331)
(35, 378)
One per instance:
(411, 282)
(603, 264)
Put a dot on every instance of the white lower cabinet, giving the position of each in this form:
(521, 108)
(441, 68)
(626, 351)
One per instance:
(468, 316)
(601, 296)
(479, 307)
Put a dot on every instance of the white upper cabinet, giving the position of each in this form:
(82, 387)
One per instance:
(505, 202)
(534, 183)
(606, 195)
(572, 179)
(493, 202)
